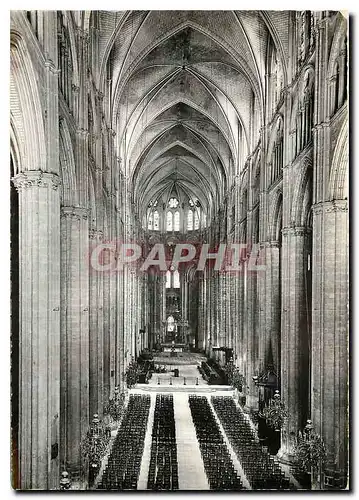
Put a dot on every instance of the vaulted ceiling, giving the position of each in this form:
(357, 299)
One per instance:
(187, 95)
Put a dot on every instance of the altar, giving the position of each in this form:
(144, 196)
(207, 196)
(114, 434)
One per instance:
(173, 348)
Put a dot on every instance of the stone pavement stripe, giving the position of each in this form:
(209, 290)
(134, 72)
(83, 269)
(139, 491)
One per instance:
(191, 473)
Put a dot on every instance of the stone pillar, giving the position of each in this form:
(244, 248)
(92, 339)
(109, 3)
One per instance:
(96, 332)
(112, 323)
(74, 333)
(294, 341)
(221, 306)
(106, 335)
(330, 317)
(271, 314)
(240, 338)
(120, 368)
(252, 335)
(39, 321)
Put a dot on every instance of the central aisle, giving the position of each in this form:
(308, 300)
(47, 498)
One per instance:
(191, 473)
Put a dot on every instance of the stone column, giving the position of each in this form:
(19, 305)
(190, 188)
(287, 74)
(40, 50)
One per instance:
(96, 331)
(271, 305)
(294, 342)
(252, 334)
(330, 330)
(240, 338)
(221, 306)
(120, 368)
(39, 321)
(74, 333)
(106, 333)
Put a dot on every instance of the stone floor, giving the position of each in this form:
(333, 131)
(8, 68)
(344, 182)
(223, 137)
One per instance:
(182, 358)
(191, 473)
(188, 375)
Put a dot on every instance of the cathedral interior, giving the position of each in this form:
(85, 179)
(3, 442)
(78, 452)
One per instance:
(206, 129)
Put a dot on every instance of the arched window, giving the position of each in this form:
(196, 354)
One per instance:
(176, 225)
(170, 324)
(168, 279)
(335, 83)
(204, 223)
(156, 221)
(190, 220)
(173, 203)
(150, 221)
(64, 59)
(176, 279)
(277, 157)
(196, 219)
(276, 80)
(169, 221)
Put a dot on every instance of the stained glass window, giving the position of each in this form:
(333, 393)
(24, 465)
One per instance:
(177, 221)
(196, 219)
(173, 203)
(156, 221)
(168, 279)
(170, 324)
(176, 279)
(169, 221)
(190, 220)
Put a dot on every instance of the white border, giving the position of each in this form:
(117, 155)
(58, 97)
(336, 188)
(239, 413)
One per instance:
(351, 7)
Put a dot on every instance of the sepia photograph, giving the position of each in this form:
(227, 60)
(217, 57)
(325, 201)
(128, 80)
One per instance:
(179, 256)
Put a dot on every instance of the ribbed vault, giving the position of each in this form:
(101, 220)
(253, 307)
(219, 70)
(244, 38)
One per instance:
(187, 97)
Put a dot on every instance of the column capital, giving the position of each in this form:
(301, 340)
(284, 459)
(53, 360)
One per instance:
(272, 244)
(330, 206)
(36, 178)
(77, 213)
(296, 231)
(95, 234)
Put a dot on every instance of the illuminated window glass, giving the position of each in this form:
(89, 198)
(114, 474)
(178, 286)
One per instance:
(170, 323)
(176, 224)
(196, 219)
(176, 279)
(173, 203)
(169, 221)
(168, 279)
(150, 221)
(190, 220)
(156, 221)
(204, 222)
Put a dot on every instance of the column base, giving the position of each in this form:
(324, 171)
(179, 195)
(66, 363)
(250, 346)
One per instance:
(251, 403)
(285, 457)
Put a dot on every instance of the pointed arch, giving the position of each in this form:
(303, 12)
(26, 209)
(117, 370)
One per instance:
(338, 181)
(302, 194)
(25, 103)
(276, 213)
(67, 167)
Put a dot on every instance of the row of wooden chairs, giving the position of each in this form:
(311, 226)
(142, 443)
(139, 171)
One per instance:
(218, 464)
(260, 468)
(123, 467)
(163, 469)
